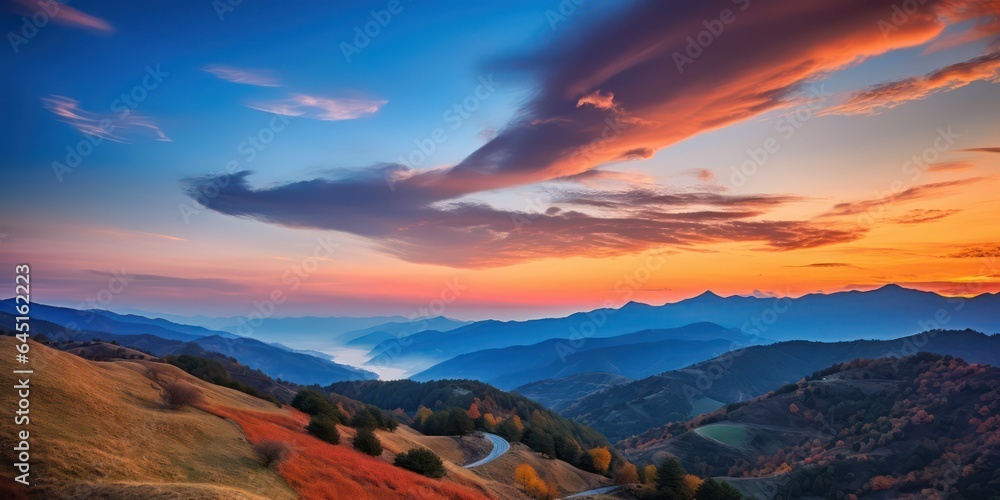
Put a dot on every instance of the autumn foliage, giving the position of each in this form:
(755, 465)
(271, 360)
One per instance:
(600, 457)
(527, 479)
(315, 469)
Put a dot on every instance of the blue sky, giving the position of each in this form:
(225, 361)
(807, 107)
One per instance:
(208, 85)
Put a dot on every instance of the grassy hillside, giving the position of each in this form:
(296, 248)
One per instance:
(925, 426)
(100, 429)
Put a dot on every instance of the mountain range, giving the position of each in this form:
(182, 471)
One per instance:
(885, 313)
(634, 355)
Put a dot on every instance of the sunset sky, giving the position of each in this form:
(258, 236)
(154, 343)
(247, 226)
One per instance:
(515, 159)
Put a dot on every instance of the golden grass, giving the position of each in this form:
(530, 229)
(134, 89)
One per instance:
(98, 429)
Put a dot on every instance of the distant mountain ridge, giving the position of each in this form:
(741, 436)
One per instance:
(277, 362)
(372, 336)
(107, 321)
(884, 313)
(634, 355)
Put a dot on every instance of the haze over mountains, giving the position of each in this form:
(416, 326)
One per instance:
(884, 313)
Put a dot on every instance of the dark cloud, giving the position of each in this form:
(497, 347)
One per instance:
(984, 251)
(983, 150)
(471, 234)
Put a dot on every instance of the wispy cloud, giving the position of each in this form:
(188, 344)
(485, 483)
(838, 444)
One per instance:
(828, 265)
(117, 127)
(64, 15)
(951, 166)
(321, 108)
(891, 94)
(916, 192)
(161, 281)
(983, 150)
(920, 216)
(259, 78)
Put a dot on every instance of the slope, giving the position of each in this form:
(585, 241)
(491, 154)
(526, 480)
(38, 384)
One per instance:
(924, 426)
(740, 375)
(100, 430)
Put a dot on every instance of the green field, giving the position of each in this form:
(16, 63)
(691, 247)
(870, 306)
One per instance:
(729, 435)
(704, 405)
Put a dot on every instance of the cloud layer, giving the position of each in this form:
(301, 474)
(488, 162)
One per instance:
(636, 83)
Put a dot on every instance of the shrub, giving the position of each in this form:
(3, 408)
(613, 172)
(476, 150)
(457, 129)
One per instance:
(324, 428)
(366, 441)
(177, 394)
(421, 461)
(271, 451)
(315, 403)
(670, 478)
(712, 489)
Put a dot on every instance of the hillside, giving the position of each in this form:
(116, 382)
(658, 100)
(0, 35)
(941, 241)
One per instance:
(101, 430)
(886, 313)
(98, 429)
(887, 428)
(559, 393)
(633, 355)
(460, 406)
(632, 408)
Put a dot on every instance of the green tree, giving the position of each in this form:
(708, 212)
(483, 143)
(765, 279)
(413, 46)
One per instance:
(670, 479)
(712, 489)
(421, 461)
(366, 441)
(315, 403)
(324, 428)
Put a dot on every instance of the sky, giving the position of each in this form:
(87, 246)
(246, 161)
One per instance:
(495, 160)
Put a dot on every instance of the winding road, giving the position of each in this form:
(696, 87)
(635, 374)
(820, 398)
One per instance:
(500, 446)
(598, 491)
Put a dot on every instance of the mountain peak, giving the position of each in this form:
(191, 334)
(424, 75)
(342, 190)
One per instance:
(708, 294)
